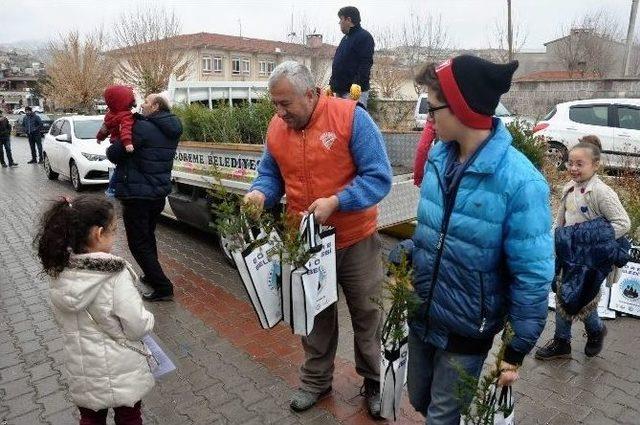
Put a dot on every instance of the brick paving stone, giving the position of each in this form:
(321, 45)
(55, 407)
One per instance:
(230, 370)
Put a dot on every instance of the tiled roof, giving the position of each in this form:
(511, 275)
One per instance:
(248, 45)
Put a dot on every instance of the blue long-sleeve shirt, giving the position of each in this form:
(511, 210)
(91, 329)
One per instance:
(373, 170)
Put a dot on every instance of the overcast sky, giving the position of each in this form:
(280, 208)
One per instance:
(469, 23)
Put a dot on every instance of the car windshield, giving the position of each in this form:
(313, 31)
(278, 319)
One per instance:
(501, 111)
(87, 129)
(424, 106)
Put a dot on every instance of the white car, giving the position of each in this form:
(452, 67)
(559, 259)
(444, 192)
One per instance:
(616, 122)
(20, 111)
(422, 106)
(71, 149)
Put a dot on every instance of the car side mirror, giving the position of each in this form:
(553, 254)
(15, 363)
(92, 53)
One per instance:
(63, 138)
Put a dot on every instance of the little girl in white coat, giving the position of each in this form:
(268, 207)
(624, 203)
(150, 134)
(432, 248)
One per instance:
(99, 311)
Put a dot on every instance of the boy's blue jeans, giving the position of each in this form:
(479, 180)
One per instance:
(432, 380)
(592, 324)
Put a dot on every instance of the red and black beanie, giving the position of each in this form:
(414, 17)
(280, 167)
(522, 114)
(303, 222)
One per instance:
(472, 87)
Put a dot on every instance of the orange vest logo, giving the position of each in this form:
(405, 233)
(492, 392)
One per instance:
(328, 138)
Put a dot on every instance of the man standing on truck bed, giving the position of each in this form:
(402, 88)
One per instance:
(353, 58)
(328, 156)
(142, 182)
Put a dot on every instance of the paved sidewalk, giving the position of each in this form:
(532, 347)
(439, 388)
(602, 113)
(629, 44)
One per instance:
(230, 370)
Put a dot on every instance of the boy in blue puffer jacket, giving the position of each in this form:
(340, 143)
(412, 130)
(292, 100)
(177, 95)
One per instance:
(483, 251)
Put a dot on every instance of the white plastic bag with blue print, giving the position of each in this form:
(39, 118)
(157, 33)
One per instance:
(259, 268)
(309, 290)
(394, 358)
(501, 407)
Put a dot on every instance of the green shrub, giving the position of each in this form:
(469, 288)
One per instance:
(531, 146)
(246, 123)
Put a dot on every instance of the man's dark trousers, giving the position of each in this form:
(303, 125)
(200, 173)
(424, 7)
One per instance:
(35, 141)
(140, 217)
(5, 145)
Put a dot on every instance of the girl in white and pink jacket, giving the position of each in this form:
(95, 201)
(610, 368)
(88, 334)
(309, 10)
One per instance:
(99, 311)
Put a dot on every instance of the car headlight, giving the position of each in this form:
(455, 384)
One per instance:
(93, 157)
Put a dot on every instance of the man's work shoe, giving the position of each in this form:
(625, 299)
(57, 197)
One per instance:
(595, 342)
(33, 161)
(371, 392)
(158, 296)
(302, 400)
(555, 349)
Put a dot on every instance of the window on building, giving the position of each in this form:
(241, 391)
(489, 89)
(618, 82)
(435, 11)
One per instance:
(266, 67)
(206, 64)
(246, 66)
(235, 66)
(217, 64)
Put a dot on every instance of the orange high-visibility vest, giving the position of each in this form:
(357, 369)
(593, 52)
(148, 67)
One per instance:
(316, 163)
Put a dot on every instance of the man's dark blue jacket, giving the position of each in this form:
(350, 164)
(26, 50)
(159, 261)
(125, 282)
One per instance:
(146, 172)
(352, 61)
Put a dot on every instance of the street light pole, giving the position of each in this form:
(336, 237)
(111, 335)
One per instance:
(626, 63)
(510, 31)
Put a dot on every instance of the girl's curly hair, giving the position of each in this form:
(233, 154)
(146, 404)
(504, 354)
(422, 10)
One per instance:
(64, 229)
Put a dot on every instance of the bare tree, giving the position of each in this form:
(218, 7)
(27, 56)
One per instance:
(421, 38)
(499, 41)
(78, 71)
(148, 48)
(387, 76)
(591, 45)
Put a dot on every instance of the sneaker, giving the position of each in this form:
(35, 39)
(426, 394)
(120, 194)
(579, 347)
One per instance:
(302, 400)
(595, 342)
(554, 349)
(371, 391)
(158, 296)
(33, 161)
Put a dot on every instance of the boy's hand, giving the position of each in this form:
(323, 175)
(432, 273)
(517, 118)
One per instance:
(129, 148)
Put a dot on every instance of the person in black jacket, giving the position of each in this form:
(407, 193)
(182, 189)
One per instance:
(353, 58)
(142, 181)
(33, 128)
(5, 141)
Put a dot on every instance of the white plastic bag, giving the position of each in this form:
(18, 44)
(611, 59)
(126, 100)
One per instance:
(310, 289)
(259, 270)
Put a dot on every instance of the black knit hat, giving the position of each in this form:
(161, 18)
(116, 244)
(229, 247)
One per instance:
(472, 87)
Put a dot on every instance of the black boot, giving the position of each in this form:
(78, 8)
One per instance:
(156, 295)
(595, 342)
(371, 392)
(554, 349)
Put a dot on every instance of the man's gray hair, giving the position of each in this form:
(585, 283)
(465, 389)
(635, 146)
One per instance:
(298, 74)
(163, 103)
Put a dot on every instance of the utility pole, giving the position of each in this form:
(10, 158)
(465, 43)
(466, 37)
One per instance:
(626, 63)
(510, 30)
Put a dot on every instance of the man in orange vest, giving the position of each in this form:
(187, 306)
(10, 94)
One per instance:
(328, 156)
